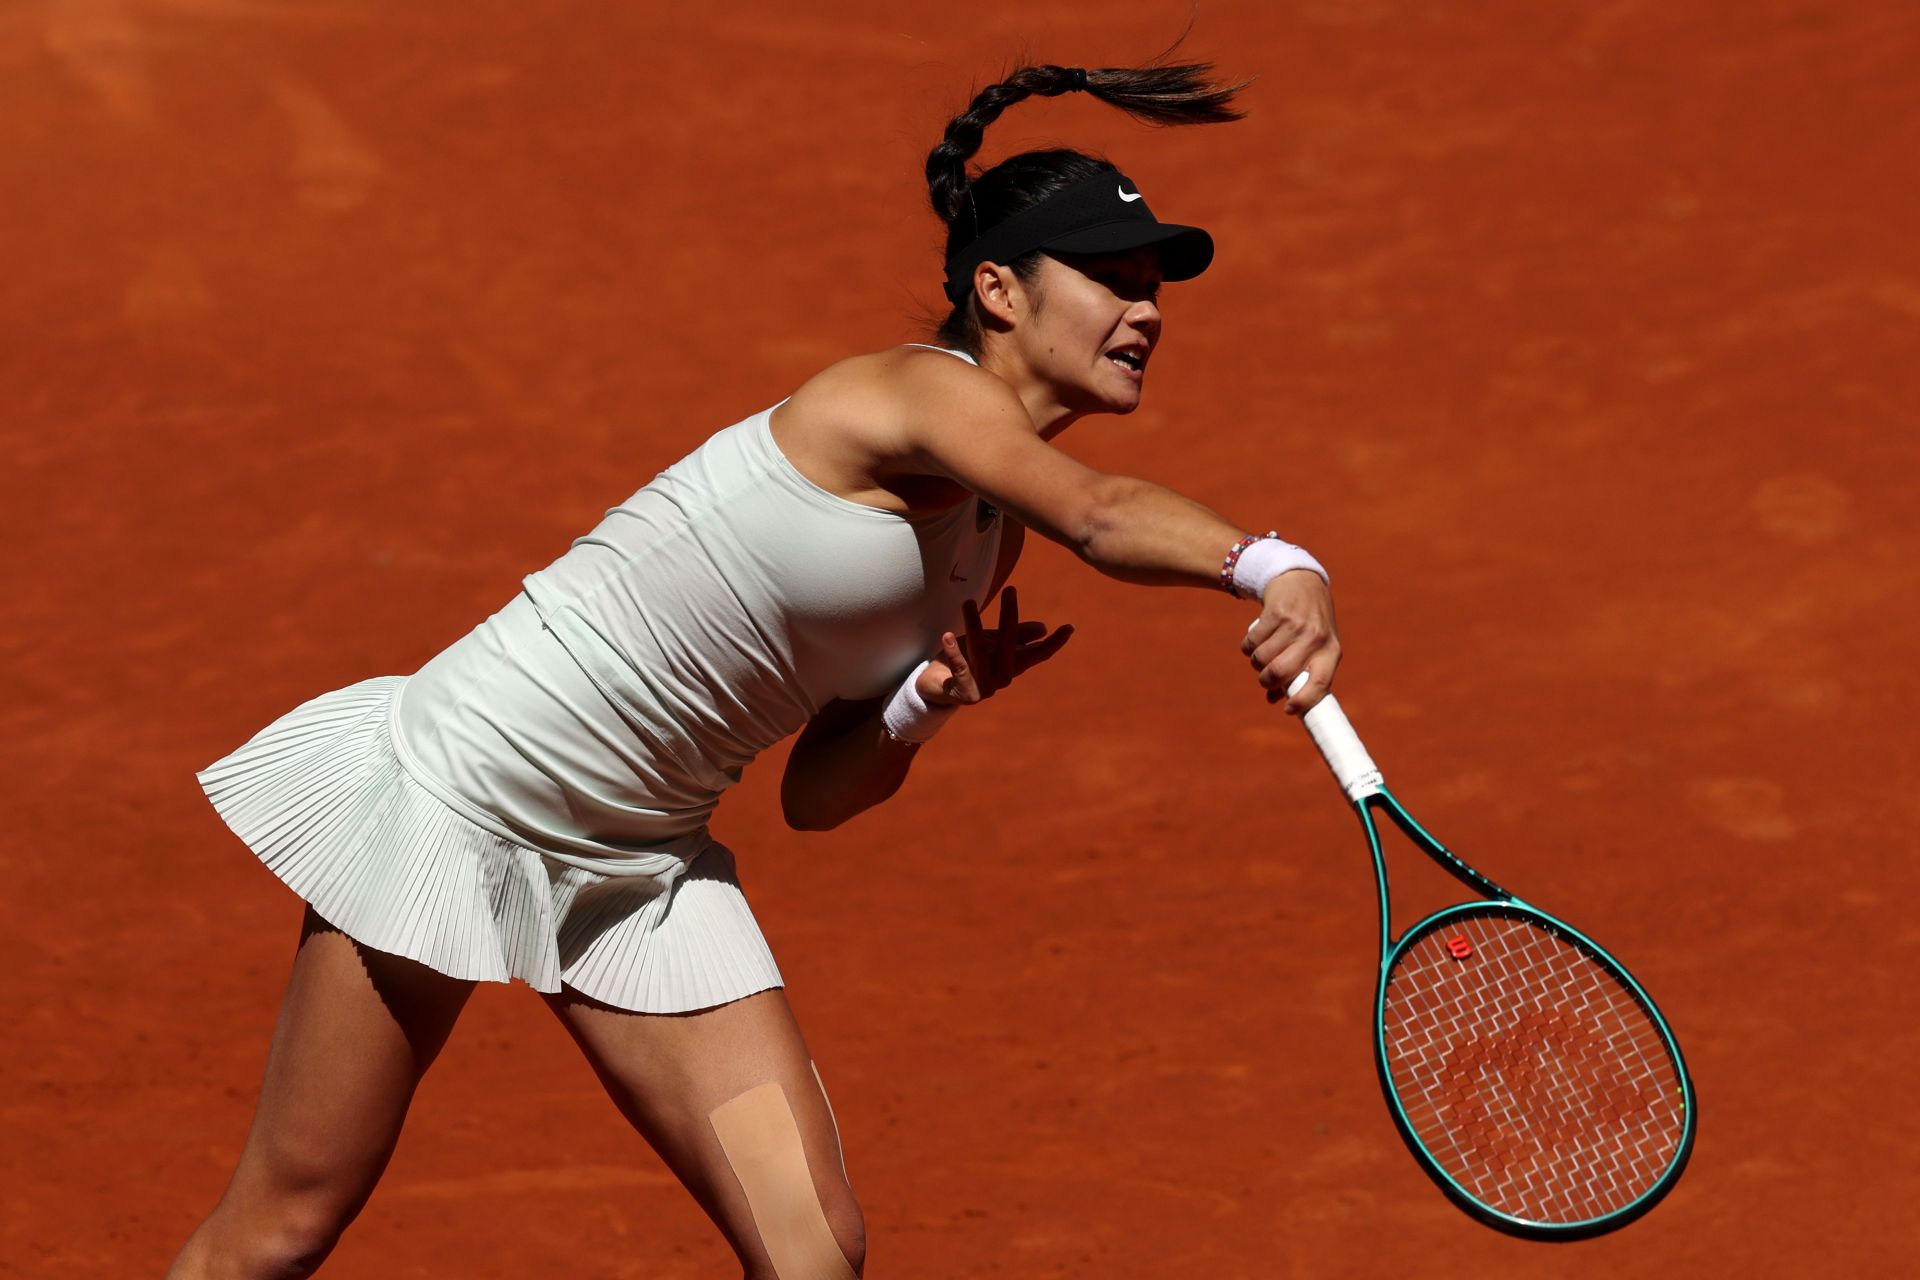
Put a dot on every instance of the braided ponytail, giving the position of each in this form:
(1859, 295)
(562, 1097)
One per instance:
(1156, 95)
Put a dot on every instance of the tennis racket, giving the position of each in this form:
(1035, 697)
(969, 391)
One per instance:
(1532, 1078)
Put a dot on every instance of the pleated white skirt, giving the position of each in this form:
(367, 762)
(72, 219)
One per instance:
(326, 801)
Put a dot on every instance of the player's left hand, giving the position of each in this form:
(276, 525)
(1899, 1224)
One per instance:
(973, 667)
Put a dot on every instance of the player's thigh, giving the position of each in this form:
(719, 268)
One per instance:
(357, 1030)
(696, 1086)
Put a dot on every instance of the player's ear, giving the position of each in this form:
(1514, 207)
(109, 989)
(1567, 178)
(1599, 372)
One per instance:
(1001, 295)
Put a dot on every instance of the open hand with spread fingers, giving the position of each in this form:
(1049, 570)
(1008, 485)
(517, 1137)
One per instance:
(973, 667)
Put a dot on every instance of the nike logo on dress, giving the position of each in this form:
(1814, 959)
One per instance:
(1124, 196)
(954, 575)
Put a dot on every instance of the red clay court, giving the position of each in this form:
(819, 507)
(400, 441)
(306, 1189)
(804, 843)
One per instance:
(1579, 340)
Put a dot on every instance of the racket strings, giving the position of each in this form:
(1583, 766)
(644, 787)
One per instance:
(1529, 1071)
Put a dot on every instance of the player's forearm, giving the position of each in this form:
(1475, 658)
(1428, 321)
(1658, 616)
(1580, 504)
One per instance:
(829, 779)
(1142, 532)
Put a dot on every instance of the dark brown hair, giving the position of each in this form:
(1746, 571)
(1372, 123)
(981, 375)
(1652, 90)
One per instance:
(1159, 95)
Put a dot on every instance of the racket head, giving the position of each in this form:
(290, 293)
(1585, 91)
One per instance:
(1533, 1079)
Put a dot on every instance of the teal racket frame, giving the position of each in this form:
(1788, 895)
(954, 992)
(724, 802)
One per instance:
(1377, 798)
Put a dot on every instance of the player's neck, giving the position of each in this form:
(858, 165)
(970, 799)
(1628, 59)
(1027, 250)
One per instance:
(1037, 394)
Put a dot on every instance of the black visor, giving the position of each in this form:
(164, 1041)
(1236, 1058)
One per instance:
(1103, 214)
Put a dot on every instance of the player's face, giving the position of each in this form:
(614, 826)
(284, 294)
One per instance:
(1095, 327)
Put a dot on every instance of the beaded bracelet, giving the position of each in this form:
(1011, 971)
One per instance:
(1248, 570)
(1233, 558)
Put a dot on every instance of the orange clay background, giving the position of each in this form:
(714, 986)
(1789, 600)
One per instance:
(1579, 339)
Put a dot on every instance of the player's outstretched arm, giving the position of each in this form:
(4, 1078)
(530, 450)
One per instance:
(967, 425)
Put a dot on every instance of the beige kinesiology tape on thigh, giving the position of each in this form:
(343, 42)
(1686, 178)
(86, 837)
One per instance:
(838, 1147)
(762, 1141)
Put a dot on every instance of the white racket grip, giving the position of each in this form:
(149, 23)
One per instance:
(1333, 733)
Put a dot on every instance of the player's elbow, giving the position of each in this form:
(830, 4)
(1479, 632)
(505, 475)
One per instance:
(813, 803)
(800, 819)
(1106, 516)
(801, 807)
(822, 805)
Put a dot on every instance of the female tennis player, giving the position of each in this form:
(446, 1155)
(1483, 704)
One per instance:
(533, 803)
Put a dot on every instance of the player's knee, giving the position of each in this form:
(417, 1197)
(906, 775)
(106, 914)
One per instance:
(793, 1253)
(849, 1227)
(307, 1231)
(275, 1240)
(815, 1240)
(807, 1226)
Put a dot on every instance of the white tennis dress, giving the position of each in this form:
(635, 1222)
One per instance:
(533, 802)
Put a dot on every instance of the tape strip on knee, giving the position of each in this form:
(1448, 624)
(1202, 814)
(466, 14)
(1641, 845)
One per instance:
(761, 1140)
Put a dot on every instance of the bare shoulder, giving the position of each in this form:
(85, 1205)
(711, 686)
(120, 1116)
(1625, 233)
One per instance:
(887, 396)
(859, 428)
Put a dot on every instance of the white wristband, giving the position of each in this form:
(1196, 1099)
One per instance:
(907, 716)
(1266, 560)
